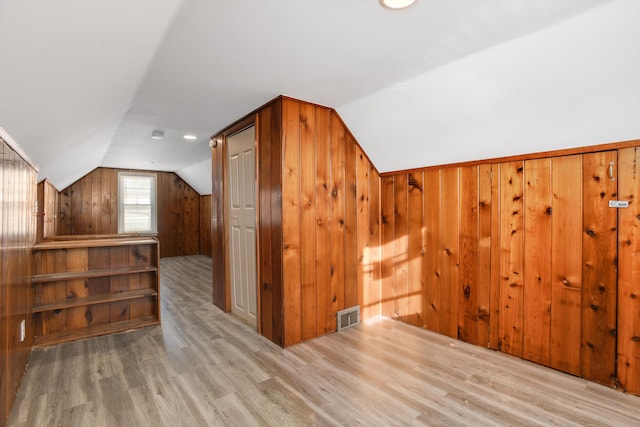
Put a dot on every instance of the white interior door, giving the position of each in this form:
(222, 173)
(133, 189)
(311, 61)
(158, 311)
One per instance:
(242, 231)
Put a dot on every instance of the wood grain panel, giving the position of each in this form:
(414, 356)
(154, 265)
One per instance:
(323, 222)
(372, 307)
(485, 206)
(415, 252)
(18, 226)
(89, 206)
(308, 290)
(537, 273)
(511, 257)
(628, 336)
(363, 250)
(205, 225)
(449, 251)
(387, 239)
(468, 292)
(431, 266)
(338, 194)
(218, 247)
(291, 260)
(599, 248)
(400, 248)
(566, 269)
(351, 264)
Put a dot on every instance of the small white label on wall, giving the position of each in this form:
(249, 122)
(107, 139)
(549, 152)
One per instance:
(618, 203)
(23, 331)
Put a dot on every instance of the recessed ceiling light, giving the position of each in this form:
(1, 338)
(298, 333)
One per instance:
(157, 134)
(190, 137)
(397, 4)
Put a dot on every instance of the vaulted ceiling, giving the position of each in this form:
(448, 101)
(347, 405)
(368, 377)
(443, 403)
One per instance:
(84, 83)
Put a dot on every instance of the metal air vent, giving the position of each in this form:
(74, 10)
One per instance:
(348, 317)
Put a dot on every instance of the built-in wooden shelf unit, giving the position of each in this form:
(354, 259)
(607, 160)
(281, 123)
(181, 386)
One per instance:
(94, 286)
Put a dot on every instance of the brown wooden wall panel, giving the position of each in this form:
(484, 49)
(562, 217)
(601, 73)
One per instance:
(431, 261)
(18, 193)
(387, 215)
(324, 302)
(566, 269)
(291, 251)
(468, 289)
(205, 225)
(537, 274)
(218, 243)
(415, 249)
(400, 247)
(511, 235)
(449, 250)
(599, 246)
(338, 141)
(47, 210)
(90, 206)
(372, 306)
(628, 331)
(483, 293)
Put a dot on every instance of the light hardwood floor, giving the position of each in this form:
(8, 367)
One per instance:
(205, 368)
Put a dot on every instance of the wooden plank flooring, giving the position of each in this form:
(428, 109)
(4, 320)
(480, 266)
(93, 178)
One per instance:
(205, 368)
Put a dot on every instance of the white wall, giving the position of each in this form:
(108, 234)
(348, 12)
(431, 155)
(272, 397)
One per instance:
(576, 83)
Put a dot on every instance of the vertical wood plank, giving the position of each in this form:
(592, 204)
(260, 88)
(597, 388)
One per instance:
(96, 202)
(628, 339)
(537, 274)
(496, 279)
(323, 222)
(350, 223)
(431, 267)
(511, 258)
(291, 222)
(374, 303)
(468, 279)
(386, 233)
(364, 278)
(400, 247)
(265, 249)
(485, 205)
(338, 195)
(599, 248)
(415, 242)
(566, 269)
(309, 299)
(449, 251)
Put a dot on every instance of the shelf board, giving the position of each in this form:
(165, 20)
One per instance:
(94, 243)
(94, 331)
(71, 275)
(94, 299)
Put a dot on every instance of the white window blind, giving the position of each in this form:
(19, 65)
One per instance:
(136, 202)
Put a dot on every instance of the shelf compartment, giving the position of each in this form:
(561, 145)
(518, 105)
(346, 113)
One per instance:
(95, 299)
(94, 331)
(88, 274)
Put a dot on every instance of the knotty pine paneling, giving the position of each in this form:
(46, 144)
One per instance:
(90, 206)
(220, 296)
(518, 256)
(319, 222)
(599, 243)
(628, 331)
(18, 193)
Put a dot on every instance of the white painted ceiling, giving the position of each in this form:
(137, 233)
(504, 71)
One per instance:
(83, 83)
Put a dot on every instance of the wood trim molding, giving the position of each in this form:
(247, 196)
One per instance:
(521, 157)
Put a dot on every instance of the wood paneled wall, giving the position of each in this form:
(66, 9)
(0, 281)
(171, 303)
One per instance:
(329, 233)
(47, 210)
(205, 225)
(319, 230)
(17, 237)
(90, 206)
(520, 256)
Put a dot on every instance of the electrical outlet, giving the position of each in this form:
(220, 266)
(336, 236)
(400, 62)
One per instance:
(23, 331)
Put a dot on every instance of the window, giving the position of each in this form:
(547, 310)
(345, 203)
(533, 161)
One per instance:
(137, 202)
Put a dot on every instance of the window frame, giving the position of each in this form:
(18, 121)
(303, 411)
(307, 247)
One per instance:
(153, 202)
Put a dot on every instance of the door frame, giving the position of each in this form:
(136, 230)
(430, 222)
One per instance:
(222, 144)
